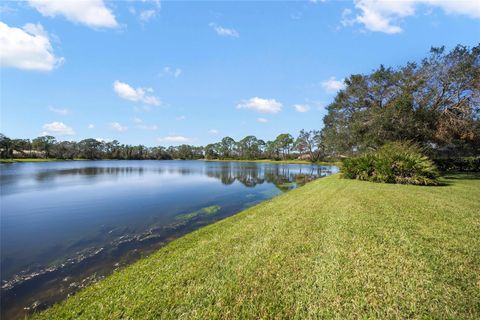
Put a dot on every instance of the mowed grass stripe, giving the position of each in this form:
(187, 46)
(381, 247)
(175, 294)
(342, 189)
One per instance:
(331, 249)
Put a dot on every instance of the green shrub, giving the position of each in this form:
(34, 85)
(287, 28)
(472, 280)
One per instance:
(395, 162)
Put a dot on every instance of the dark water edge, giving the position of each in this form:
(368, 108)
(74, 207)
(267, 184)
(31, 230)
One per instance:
(37, 286)
(39, 290)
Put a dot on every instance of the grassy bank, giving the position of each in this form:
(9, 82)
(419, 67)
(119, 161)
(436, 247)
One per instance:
(36, 160)
(27, 160)
(331, 249)
(260, 161)
(279, 161)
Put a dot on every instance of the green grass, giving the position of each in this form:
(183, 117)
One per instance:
(35, 160)
(335, 248)
(27, 160)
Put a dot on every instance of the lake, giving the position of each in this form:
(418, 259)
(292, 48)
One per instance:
(67, 224)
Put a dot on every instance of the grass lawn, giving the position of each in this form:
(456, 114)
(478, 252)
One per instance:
(334, 248)
(34, 160)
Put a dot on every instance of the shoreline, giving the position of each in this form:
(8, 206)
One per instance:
(325, 163)
(335, 241)
(20, 160)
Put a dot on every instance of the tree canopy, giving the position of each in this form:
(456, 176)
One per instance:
(435, 102)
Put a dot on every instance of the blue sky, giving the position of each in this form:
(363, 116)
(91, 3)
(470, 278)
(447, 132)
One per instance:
(192, 72)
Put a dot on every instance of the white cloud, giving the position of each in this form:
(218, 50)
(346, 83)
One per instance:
(262, 120)
(28, 48)
(332, 85)
(146, 11)
(301, 107)
(125, 91)
(118, 127)
(57, 129)
(213, 131)
(470, 8)
(174, 139)
(146, 15)
(104, 140)
(90, 126)
(261, 105)
(180, 118)
(60, 111)
(385, 16)
(174, 72)
(92, 13)
(225, 32)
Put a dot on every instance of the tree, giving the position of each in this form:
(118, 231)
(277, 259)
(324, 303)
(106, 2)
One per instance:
(435, 103)
(160, 153)
(6, 146)
(284, 142)
(227, 147)
(212, 151)
(64, 150)
(90, 148)
(309, 142)
(44, 144)
(248, 148)
(271, 150)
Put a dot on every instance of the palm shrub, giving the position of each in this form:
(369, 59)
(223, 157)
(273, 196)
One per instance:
(395, 162)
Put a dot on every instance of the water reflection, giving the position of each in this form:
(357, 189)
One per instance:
(251, 175)
(66, 224)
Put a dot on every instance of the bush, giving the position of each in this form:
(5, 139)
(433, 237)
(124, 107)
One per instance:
(469, 164)
(395, 162)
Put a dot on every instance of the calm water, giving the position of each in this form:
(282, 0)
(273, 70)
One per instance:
(67, 224)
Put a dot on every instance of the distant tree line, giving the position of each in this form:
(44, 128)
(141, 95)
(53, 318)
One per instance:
(306, 146)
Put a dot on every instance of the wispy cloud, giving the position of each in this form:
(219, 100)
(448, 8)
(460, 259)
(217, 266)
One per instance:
(262, 120)
(146, 11)
(224, 32)
(301, 107)
(213, 131)
(174, 139)
(147, 15)
(60, 111)
(118, 127)
(173, 72)
(332, 85)
(144, 108)
(139, 124)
